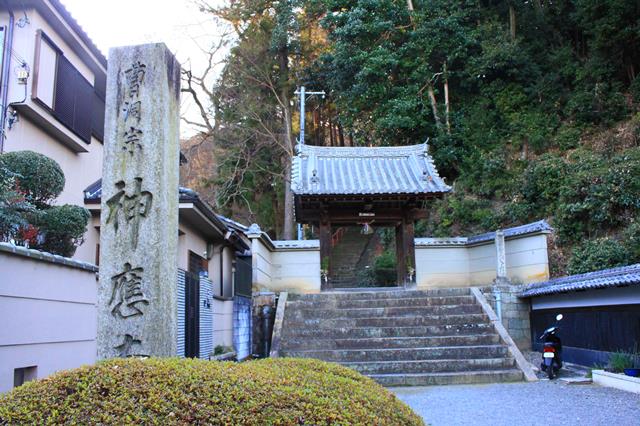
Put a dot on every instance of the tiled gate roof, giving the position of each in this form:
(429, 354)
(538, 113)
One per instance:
(362, 170)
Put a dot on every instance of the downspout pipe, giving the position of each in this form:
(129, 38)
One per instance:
(6, 67)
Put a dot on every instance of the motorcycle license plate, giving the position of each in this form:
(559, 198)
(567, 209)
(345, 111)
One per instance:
(548, 355)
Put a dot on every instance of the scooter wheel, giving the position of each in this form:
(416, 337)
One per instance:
(550, 372)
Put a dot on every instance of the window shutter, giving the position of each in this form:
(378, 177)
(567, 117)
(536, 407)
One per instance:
(73, 99)
(97, 118)
(64, 96)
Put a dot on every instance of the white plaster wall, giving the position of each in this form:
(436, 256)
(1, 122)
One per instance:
(442, 266)
(482, 264)
(261, 265)
(48, 317)
(296, 271)
(450, 266)
(527, 259)
(222, 322)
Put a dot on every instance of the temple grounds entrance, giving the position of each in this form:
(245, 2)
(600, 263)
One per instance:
(362, 256)
(345, 187)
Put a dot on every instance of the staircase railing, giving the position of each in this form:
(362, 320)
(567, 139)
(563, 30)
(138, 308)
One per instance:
(337, 236)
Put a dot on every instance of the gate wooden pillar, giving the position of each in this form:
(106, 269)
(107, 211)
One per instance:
(325, 244)
(405, 248)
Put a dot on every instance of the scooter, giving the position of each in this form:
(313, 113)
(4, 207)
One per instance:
(552, 350)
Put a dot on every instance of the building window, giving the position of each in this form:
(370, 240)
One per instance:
(60, 87)
(24, 374)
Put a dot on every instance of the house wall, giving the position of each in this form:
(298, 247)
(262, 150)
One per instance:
(88, 250)
(80, 169)
(47, 312)
(190, 240)
(451, 266)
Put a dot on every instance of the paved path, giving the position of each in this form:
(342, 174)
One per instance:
(523, 404)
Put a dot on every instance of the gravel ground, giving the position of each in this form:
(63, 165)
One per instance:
(538, 403)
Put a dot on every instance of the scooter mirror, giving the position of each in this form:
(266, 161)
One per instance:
(559, 317)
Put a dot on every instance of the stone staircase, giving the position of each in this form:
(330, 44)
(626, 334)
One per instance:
(399, 337)
(346, 255)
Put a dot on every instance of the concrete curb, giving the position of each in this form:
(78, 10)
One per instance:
(521, 362)
(277, 325)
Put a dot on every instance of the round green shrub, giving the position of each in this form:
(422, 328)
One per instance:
(282, 391)
(62, 228)
(38, 176)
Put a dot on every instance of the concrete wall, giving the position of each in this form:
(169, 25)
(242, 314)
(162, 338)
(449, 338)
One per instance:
(455, 265)
(222, 322)
(47, 312)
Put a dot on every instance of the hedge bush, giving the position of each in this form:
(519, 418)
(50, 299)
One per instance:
(39, 177)
(185, 391)
(63, 228)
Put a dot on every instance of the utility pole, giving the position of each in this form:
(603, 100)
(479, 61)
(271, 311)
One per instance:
(302, 93)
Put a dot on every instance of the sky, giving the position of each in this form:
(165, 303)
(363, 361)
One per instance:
(178, 23)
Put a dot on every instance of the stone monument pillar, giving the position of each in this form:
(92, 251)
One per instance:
(139, 214)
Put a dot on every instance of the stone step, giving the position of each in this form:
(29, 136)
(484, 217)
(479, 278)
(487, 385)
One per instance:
(431, 366)
(386, 312)
(392, 293)
(455, 378)
(426, 320)
(368, 332)
(447, 352)
(306, 343)
(381, 303)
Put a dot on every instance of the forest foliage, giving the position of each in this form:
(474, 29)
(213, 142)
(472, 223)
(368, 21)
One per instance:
(530, 109)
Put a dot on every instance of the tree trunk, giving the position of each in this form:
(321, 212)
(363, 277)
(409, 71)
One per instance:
(340, 134)
(434, 106)
(331, 141)
(287, 231)
(512, 22)
(446, 99)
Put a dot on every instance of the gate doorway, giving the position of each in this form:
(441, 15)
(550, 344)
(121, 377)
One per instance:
(362, 256)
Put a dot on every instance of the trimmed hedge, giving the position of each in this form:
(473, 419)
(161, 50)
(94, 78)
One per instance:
(40, 177)
(282, 391)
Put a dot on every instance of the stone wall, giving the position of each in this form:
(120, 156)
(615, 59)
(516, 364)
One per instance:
(514, 312)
